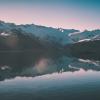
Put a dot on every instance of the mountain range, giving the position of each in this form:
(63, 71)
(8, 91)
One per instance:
(37, 37)
(64, 36)
(45, 33)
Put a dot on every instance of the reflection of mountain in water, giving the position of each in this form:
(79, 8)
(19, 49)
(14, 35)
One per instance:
(31, 64)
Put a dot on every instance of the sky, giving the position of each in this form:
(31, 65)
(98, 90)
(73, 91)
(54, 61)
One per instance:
(68, 14)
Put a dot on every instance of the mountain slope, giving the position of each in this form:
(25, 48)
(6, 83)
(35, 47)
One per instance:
(85, 35)
(86, 50)
(45, 33)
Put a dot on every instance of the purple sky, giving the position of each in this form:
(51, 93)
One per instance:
(77, 14)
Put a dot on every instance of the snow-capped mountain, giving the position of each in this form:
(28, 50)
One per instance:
(60, 35)
(46, 33)
(34, 37)
(85, 36)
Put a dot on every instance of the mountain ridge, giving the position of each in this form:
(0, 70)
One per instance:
(43, 32)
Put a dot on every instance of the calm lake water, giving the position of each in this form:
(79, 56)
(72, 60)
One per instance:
(45, 76)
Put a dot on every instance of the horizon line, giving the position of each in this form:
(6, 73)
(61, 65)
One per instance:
(80, 30)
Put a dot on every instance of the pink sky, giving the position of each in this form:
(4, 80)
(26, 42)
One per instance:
(47, 15)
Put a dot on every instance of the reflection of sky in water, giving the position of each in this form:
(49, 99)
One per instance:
(50, 79)
(52, 82)
(42, 64)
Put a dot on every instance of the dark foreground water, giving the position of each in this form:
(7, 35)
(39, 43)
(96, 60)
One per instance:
(38, 76)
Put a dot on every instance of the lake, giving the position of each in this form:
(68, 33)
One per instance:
(45, 76)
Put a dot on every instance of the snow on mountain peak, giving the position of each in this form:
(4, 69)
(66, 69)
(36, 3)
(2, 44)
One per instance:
(4, 34)
(85, 36)
(74, 33)
(60, 35)
(52, 34)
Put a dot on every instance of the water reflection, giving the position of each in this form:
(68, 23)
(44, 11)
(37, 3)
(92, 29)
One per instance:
(30, 64)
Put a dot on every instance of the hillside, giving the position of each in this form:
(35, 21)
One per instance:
(86, 50)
